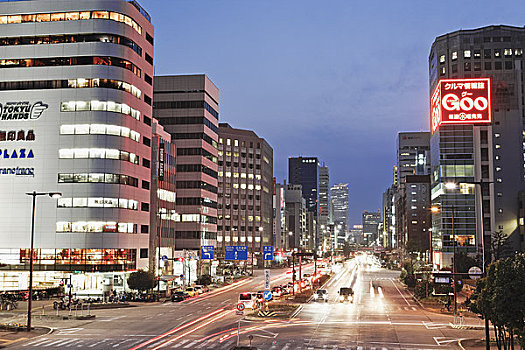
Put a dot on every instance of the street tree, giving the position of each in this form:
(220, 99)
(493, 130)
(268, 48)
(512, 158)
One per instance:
(142, 280)
(498, 244)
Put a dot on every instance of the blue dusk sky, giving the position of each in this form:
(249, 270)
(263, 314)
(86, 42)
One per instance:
(336, 79)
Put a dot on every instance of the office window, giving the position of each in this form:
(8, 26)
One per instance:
(454, 55)
(467, 54)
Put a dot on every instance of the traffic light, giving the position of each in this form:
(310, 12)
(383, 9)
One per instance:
(180, 259)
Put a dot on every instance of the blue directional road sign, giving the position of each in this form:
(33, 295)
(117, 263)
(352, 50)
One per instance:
(207, 252)
(233, 252)
(267, 295)
(268, 252)
(164, 258)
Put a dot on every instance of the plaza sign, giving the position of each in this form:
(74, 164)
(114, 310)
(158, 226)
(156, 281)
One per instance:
(461, 101)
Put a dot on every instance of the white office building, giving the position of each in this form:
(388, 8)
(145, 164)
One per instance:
(75, 108)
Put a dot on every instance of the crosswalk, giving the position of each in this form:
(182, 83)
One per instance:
(210, 344)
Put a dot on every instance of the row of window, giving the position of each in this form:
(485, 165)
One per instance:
(166, 195)
(98, 178)
(468, 66)
(196, 152)
(250, 187)
(99, 129)
(236, 154)
(196, 184)
(97, 153)
(196, 168)
(96, 226)
(97, 202)
(197, 201)
(70, 61)
(72, 38)
(189, 121)
(236, 165)
(241, 196)
(487, 54)
(237, 207)
(194, 136)
(195, 218)
(94, 105)
(186, 105)
(236, 143)
(236, 239)
(71, 16)
(195, 235)
(71, 83)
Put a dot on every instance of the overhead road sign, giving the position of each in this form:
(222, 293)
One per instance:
(268, 252)
(207, 252)
(236, 253)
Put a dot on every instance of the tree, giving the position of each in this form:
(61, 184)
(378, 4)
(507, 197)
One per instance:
(498, 245)
(142, 280)
(464, 262)
(499, 298)
(204, 280)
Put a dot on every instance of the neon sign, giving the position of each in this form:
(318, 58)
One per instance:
(461, 101)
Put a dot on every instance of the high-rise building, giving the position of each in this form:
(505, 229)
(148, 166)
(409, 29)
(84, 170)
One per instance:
(75, 108)
(415, 223)
(355, 234)
(370, 221)
(295, 211)
(388, 237)
(324, 207)
(187, 107)
(477, 146)
(245, 199)
(279, 221)
(304, 171)
(339, 199)
(413, 154)
(163, 216)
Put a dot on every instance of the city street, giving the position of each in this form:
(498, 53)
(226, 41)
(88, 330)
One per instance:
(383, 316)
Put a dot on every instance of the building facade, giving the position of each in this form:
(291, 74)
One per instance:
(323, 240)
(245, 198)
(370, 222)
(76, 104)
(187, 107)
(295, 217)
(339, 198)
(279, 217)
(485, 161)
(413, 154)
(163, 216)
(304, 171)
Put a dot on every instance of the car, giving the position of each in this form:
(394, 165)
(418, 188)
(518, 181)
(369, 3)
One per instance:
(346, 294)
(201, 289)
(277, 291)
(249, 300)
(320, 295)
(191, 291)
(179, 296)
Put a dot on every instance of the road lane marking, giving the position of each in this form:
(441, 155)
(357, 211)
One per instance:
(400, 293)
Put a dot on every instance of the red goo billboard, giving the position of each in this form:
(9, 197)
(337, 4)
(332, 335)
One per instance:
(461, 101)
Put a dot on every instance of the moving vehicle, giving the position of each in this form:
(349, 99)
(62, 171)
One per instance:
(191, 291)
(179, 296)
(248, 299)
(277, 291)
(321, 294)
(201, 289)
(346, 294)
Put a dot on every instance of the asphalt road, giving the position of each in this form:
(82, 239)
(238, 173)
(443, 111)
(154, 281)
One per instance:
(382, 316)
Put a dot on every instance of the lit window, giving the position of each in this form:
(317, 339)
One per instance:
(220, 140)
(497, 135)
(228, 142)
(454, 55)
(467, 54)
(442, 59)
(243, 175)
(498, 146)
(507, 52)
(498, 168)
(236, 143)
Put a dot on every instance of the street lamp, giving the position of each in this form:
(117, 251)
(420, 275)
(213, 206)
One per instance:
(34, 194)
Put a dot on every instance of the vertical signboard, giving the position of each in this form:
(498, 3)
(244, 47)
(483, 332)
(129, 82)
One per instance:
(161, 162)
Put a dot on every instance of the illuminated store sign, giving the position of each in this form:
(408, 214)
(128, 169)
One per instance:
(22, 110)
(461, 101)
(13, 135)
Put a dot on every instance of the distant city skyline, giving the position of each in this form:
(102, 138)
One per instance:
(329, 81)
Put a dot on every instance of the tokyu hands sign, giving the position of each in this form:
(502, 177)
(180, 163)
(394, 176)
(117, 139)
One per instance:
(22, 110)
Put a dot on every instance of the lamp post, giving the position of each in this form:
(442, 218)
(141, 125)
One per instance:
(34, 194)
